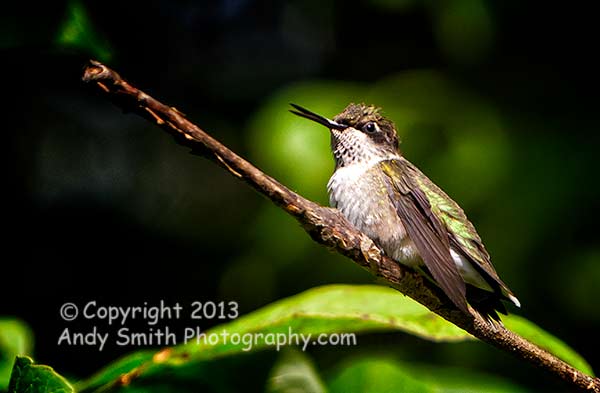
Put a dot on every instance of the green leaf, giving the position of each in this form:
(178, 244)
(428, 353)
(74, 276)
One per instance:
(334, 311)
(545, 340)
(381, 374)
(293, 373)
(34, 378)
(460, 380)
(328, 310)
(15, 339)
(376, 375)
(211, 375)
(116, 369)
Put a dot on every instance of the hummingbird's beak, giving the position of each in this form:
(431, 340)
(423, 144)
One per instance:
(302, 112)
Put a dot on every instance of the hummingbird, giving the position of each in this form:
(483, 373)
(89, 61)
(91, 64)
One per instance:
(410, 218)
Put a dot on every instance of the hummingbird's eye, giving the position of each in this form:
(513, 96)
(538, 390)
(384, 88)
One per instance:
(370, 127)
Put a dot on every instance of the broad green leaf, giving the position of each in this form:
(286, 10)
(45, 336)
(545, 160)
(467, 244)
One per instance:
(221, 375)
(293, 373)
(334, 311)
(15, 339)
(460, 380)
(34, 378)
(381, 374)
(376, 375)
(117, 368)
(328, 310)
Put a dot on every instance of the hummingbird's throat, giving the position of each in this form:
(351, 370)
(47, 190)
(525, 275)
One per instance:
(353, 147)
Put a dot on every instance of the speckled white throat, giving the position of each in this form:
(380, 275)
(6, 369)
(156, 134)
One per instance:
(354, 147)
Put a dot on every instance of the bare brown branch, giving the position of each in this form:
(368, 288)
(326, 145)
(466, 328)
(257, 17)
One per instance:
(327, 226)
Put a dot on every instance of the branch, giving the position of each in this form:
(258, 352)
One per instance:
(328, 227)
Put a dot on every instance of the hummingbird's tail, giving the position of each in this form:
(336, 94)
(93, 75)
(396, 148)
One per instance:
(487, 304)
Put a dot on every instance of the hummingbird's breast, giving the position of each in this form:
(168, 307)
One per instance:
(359, 192)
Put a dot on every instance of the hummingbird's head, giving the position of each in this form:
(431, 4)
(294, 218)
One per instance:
(359, 134)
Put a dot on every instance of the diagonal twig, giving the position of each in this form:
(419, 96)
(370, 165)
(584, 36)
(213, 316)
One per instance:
(328, 227)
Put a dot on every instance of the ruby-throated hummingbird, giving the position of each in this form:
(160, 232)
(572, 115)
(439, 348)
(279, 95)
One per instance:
(415, 223)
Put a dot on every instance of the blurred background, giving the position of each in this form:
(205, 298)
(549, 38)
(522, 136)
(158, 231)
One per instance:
(494, 100)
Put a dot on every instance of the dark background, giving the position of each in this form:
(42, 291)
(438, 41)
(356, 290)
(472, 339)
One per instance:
(495, 101)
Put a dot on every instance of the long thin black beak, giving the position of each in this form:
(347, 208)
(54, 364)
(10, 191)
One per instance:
(302, 112)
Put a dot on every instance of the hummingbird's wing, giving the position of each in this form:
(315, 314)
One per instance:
(463, 237)
(425, 229)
